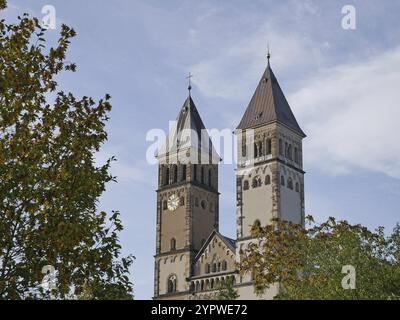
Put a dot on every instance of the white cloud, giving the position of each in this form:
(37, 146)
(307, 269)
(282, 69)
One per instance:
(137, 172)
(233, 72)
(351, 114)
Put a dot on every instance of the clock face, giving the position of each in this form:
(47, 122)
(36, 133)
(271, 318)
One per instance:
(173, 202)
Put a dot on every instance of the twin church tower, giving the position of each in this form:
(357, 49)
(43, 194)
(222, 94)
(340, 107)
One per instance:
(192, 258)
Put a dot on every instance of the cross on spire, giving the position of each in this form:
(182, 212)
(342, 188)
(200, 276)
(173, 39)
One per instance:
(268, 54)
(189, 77)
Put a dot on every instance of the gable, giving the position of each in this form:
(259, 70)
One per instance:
(216, 243)
(216, 256)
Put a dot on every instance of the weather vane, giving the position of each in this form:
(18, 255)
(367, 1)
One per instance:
(268, 54)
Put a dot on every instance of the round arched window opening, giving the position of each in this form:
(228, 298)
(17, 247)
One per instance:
(172, 283)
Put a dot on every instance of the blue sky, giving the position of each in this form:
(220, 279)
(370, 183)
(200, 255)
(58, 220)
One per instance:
(343, 86)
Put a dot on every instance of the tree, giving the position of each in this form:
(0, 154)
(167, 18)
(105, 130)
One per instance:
(49, 181)
(308, 263)
(226, 291)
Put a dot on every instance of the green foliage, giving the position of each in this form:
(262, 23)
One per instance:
(226, 291)
(50, 184)
(308, 262)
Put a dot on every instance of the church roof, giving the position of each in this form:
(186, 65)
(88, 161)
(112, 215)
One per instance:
(189, 117)
(269, 104)
(189, 132)
(231, 241)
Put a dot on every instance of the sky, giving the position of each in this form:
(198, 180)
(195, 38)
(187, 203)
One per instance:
(343, 86)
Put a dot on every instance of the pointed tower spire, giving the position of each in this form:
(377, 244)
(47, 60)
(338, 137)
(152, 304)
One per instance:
(189, 132)
(269, 104)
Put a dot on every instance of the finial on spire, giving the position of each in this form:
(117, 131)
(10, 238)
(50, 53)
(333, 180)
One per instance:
(189, 77)
(268, 54)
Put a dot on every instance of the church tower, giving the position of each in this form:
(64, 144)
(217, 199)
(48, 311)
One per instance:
(270, 176)
(187, 201)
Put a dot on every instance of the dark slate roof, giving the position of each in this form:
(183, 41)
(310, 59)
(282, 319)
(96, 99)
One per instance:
(269, 104)
(230, 241)
(189, 117)
(180, 136)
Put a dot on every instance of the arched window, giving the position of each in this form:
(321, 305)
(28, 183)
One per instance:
(195, 172)
(290, 183)
(173, 244)
(182, 201)
(184, 169)
(255, 150)
(166, 177)
(175, 173)
(196, 202)
(268, 180)
(256, 182)
(224, 265)
(209, 178)
(171, 284)
(246, 185)
(297, 187)
(269, 146)
(219, 266)
(282, 180)
(214, 268)
(207, 268)
(165, 205)
(280, 147)
(296, 155)
(242, 135)
(202, 175)
(286, 149)
(290, 156)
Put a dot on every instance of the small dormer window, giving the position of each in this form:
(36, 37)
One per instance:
(258, 116)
